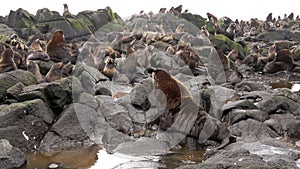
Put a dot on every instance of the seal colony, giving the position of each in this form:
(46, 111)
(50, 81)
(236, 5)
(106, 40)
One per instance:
(153, 43)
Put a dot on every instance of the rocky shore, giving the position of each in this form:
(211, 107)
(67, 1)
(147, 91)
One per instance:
(244, 74)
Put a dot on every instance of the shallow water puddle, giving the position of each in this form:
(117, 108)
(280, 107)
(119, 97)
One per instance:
(96, 158)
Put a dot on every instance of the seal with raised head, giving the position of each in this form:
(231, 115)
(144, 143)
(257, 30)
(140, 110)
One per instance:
(6, 61)
(183, 115)
(57, 48)
(35, 69)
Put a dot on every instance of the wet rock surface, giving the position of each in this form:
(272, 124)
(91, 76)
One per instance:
(107, 97)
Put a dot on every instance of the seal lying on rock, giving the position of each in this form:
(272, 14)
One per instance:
(183, 117)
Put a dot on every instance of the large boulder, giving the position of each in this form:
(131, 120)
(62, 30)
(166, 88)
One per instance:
(23, 22)
(214, 97)
(10, 156)
(227, 45)
(279, 34)
(24, 124)
(68, 132)
(9, 79)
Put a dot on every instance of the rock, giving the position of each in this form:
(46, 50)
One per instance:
(115, 114)
(278, 153)
(197, 20)
(5, 32)
(213, 99)
(104, 88)
(23, 22)
(61, 92)
(240, 104)
(44, 66)
(73, 127)
(14, 91)
(25, 123)
(250, 86)
(252, 130)
(139, 94)
(279, 103)
(112, 138)
(280, 34)
(231, 159)
(87, 99)
(9, 79)
(93, 72)
(227, 45)
(45, 15)
(237, 115)
(143, 147)
(195, 85)
(296, 53)
(285, 125)
(10, 156)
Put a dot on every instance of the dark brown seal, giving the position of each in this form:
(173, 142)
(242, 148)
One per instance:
(181, 110)
(6, 61)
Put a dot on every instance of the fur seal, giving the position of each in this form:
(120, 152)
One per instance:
(6, 61)
(36, 52)
(57, 48)
(109, 68)
(55, 72)
(35, 69)
(283, 60)
(180, 106)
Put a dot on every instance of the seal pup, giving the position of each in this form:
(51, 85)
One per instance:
(180, 28)
(6, 61)
(183, 115)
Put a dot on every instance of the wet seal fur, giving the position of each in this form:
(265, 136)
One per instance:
(6, 61)
(183, 117)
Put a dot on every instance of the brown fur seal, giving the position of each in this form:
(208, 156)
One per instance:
(109, 68)
(36, 52)
(180, 107)
(6, 61)
(55, 72)
(57, 48)
(35, 69)
(283, 60)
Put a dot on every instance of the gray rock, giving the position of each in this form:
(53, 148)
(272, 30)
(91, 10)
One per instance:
(68, 131)
(249, 86)
(237, 115)
(252, 130)
(239, 104)
(279, 34)
(139, 94)
(104, 88)
(24, 124)
(10, 156)
(9, 79)
(61, 92)
(87, 99)
(14, 91)
(213, 99)
(112, 138)
(279, 103)
(286, 125)
(143, 147)
(116, 115)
